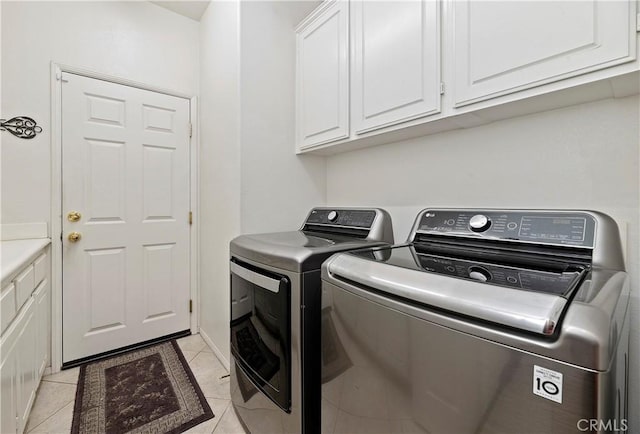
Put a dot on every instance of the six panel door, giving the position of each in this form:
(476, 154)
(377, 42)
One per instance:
(503, 47)
(125, 170)
(396, 62)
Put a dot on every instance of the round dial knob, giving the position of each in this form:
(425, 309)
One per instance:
(480, 274)
(479, 223)
(332, 216)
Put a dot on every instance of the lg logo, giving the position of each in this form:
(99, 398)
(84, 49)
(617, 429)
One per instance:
(598, 425)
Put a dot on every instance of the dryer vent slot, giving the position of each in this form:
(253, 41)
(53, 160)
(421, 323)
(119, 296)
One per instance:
(340, 230)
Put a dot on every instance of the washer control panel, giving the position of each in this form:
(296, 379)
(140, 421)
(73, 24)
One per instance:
(342, 217)
(549, 227)
(520, 278)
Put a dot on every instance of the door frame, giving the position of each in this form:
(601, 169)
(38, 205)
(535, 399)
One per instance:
(56, 197)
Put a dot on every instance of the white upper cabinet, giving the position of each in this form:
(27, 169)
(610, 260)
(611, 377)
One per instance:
(398, 69)
(506, 46)
(322, 75)
(396, 62)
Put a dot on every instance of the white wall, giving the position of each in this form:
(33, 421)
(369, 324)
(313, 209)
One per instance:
(134, 40)
(278, 187)
(583, 157)
(219, 163)
(251, 179)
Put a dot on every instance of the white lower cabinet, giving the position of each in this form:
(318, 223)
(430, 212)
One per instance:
(42, 298)
(19, 370)
(8, 386)
(26, 363)
(24, 346)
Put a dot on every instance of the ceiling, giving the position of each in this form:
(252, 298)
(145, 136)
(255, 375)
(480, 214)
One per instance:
(189, 8)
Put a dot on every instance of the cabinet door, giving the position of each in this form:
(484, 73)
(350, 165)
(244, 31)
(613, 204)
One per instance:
(26, 362)
(396, 62)
(322, 75)
(25, 284)
(42, 297)
(8, 385)
(7, 306)
(502, 47)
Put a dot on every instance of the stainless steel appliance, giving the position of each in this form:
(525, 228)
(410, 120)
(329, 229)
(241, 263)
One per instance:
(486, 321)
(275, 315)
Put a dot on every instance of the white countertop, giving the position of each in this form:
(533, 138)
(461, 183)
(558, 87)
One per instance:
(15, 254)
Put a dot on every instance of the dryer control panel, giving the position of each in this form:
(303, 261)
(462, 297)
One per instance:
(567, 228)
(353, 218)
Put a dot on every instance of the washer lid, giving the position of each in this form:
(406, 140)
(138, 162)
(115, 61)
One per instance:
(531, 298)
(297, 251)
(524, 272)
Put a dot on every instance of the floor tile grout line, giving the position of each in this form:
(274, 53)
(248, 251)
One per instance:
(216, 418)
(56, 412)
(226, 408)
(209, 397)
(221, 416)
(190, 360)
(60, 382)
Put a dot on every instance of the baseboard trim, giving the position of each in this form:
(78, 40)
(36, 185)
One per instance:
(219, 354)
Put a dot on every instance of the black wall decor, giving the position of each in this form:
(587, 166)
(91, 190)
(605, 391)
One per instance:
(21, 126)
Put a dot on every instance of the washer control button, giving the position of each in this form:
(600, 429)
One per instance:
(512, 225)
(332, 216)
(479, 223)
(480, 274)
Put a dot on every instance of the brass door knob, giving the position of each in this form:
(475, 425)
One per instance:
(74, 237)
(74, 216)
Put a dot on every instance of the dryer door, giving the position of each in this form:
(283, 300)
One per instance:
(261, 329)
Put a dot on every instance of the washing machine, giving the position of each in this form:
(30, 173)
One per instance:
(484, 322)
(275, 315)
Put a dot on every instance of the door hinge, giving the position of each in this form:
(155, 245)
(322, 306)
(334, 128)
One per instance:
(190, 306)
(638, 23)
(190, 217)
(58, 75)
(442, 88)
(190, 130)
(60, 236)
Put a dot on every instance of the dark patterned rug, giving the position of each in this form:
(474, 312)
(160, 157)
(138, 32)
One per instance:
(151, 390)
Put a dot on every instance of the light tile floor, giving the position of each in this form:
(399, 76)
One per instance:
(52, 411)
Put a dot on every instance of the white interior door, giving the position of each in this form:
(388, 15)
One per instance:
(125, 169)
